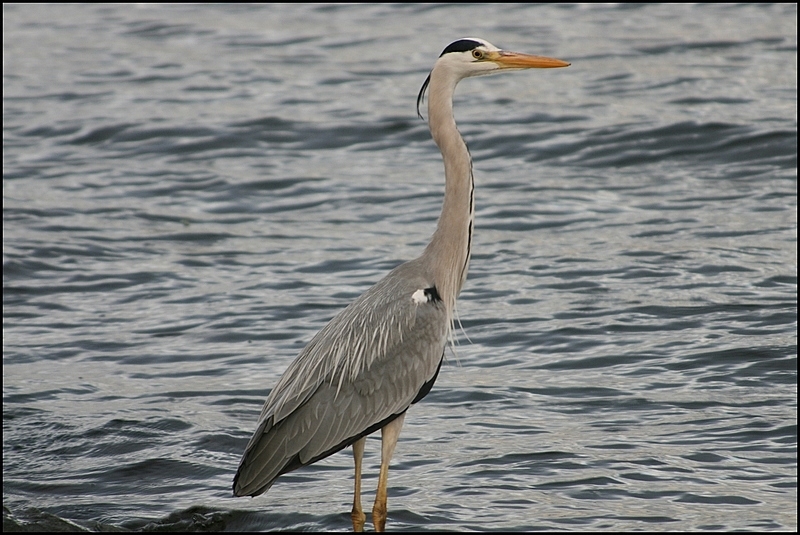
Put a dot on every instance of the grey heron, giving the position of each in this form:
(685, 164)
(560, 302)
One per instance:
(383, 352)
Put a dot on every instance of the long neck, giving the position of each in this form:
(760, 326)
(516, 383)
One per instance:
(448, 252)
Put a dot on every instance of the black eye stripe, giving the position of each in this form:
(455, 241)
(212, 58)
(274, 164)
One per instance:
(462, 45)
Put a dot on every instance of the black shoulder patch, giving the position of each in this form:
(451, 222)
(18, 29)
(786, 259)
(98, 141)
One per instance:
(432, 294)
(462, 45)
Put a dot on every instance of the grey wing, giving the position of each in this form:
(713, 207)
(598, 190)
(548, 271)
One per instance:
(362, 370)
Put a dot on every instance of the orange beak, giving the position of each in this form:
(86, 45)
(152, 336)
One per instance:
(515, 60)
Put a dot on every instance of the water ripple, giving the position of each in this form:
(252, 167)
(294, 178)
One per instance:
(191, 192)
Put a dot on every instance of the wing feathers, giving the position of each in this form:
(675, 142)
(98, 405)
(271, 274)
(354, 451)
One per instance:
(362, 369)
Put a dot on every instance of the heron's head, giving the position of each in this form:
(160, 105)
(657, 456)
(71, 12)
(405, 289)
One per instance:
(472, 56)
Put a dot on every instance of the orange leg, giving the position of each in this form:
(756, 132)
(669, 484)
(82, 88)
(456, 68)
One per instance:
(358, 516)
(389, 435)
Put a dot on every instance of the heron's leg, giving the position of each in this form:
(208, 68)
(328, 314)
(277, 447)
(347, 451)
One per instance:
(358, 515)
(389, 435)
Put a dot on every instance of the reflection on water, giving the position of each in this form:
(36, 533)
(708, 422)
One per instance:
(191, 192)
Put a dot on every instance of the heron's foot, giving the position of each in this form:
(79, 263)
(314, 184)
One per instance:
(359, 519)
(379, 515)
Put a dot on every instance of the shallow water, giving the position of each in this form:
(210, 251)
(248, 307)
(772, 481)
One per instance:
(191, 192)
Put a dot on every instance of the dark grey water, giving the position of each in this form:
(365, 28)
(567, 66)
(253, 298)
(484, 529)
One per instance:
(191, 192)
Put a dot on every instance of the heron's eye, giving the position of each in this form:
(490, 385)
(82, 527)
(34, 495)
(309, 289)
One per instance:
(477, 54)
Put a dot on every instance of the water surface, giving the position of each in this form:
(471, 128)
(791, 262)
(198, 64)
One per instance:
(191, 192)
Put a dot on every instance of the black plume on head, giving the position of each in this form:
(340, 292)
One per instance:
(462, 45)
(422, 94)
